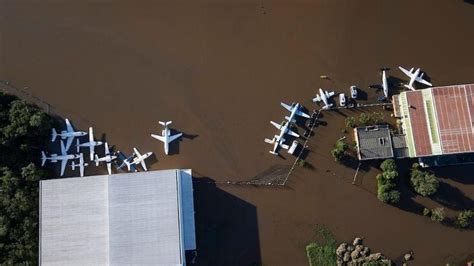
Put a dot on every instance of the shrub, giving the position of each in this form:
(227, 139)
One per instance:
(388, 165)
(339, 151)
(350, 122)
(438, 215)
(371, 119)
(386, 191)
(465, 218)
(424, 183)
(426, 212)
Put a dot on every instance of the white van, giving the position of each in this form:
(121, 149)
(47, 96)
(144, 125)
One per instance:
(342, 100)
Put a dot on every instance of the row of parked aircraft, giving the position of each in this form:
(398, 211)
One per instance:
(279, 140)
(414, 75)
(69, 134)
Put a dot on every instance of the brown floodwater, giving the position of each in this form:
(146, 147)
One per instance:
(219, 70)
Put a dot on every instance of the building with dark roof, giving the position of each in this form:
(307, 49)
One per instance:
(373, 142)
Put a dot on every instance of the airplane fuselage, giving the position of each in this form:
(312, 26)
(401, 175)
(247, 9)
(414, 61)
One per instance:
(62, 157)
(384, 84)
(139, 159)
(65, 134)
(323, 97)
(166, 134)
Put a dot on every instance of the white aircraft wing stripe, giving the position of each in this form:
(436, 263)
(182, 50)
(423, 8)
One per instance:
(294, 134)
(286, 106)
(63, 166)
(174, 137)
(137, 153)
(329, 94)
(275, 125)
(69, 126)
(303, 114)
(144, 165)
(69, 142)
(63, 149)
(158, 137)
(406, 72)
(107, 148)
(421, 80)
(109, 168)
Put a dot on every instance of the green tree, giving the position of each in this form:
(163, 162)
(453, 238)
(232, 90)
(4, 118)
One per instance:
(424, 183)
(465, 218)
(339, 150)
(438, 215)
(350, 122)
(388, 165)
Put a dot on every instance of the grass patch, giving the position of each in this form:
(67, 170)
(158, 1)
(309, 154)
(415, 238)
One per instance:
(323, 250)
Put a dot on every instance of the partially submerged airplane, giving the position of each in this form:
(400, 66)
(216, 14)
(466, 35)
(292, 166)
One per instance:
(324, 96)
(81, 164)
(166, 136)
(135, 159)
(294, 110)
(108, 158)
(279, 140)
(414, 75)
(63, 157)
(68, 134)
(91, 144)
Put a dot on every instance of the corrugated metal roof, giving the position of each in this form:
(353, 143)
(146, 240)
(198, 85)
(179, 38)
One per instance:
(133, 218)
(374, 142)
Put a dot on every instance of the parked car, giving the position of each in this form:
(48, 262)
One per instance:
(342, 100)
(353, 92)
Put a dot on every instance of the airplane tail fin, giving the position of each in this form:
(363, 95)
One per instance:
(269, 141)
(409, 87)
(167, 123)
(54, 134)
(43, 158)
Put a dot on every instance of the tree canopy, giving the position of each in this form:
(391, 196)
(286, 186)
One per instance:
(424, 183)
(24, 131)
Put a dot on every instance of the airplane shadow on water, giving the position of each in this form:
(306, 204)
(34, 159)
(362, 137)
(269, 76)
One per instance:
(226, 227)
(174, 146)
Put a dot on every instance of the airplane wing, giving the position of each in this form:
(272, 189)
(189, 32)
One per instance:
(69, 142)
(303, 114)
(158, 137)
(144, 165)
(91, 152)
(109, 168)
(294, 134)
(276, 125)
(63, 166)
(174, 137)
(81, 164)
(69, 126)
(107, 149)
(421, 80)
(329, 94)
(317, 98)
(286, 106)
(406, 72)
(63, 149)
(137, 153)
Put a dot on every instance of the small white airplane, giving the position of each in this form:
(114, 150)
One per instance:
(108, 158)
(414, 75)
(166, 136)
(81, 164)
(137, 158)
(91, 144)
(285, 128)
(294, 110)
(324, 97)
(63, 157)
(68, 134)
(279, 140)
(385, 82)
